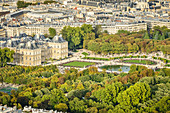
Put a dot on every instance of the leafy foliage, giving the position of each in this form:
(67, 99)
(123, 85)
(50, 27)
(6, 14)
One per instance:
(22, 4)
(52, 32)
(6, 55)
(140, 90)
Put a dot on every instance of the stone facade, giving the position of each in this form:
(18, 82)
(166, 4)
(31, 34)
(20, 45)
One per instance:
(129, 27)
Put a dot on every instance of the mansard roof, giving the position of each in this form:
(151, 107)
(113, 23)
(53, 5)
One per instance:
(27, 42)
(58, 39)
(28, 45)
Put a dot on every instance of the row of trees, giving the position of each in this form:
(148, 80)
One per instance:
(124, 43)
(159, 33)
(22, 4)
(76, 35)
(140, 90)
(49, 2)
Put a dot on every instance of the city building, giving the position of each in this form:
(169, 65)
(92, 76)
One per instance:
(152, 23)
(133, 27)
(2, 32)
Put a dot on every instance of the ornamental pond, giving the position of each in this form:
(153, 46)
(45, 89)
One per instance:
(116, 68)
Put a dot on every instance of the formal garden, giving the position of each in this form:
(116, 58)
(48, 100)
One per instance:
(138, 59)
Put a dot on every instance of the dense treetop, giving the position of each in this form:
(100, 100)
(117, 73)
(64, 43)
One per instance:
(121, 42)
(6, 55)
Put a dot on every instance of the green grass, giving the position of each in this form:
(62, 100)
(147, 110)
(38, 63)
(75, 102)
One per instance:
(162, 59)
(78, 64)
(139, 62)
(157, 70)
(167, 65)
(95, 58)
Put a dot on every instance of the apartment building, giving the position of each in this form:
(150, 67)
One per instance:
(32, 51)
(153, 23)
(2, 32)
(13, 31)
(129, 27)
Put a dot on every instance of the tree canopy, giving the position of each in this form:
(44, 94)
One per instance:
(52, 32)
(140, 90)
(6, 55)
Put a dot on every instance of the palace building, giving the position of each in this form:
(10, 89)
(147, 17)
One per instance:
(32, 51)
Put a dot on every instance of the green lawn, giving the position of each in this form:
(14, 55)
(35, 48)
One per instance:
(79, 64)
(139, 62)
(96, 58)
(168, 65)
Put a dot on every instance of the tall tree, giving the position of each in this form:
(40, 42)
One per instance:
(98, 30)
(109, 93)
(146, 36)
(156, 36)
(162, 37)
(134, 95)
(6, 55)
(52, 32)
(77, 106)
(57, 96)
(87, 28)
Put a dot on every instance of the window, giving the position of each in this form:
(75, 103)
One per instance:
(30, 58)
